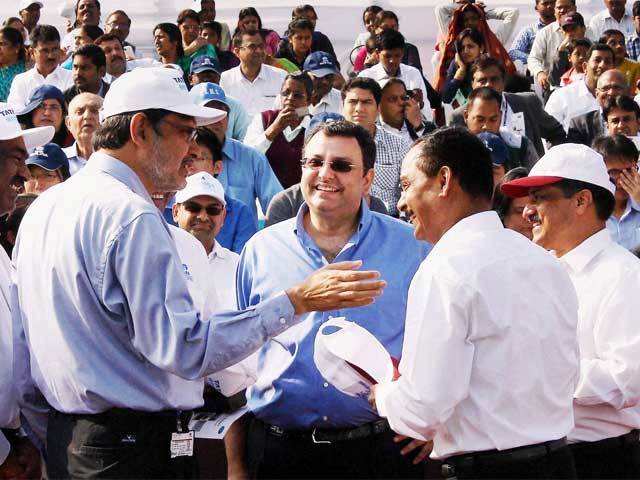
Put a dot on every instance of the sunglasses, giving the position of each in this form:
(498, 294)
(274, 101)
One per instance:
(340, 166)
(212, 210)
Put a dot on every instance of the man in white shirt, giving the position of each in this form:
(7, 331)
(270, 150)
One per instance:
(400, 112)
(322, 69)
(570, 199)
(580, 97)
(489, 316)
(200, 211)
(252, 82)
(390, 46)
(545, 46)
(614, 17)
(82, 121)
(18, 457)
(45, 41)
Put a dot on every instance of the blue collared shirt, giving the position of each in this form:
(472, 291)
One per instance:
(523, 42)
(633, 47)
(290, 391)
(238, 119)
(625, 231)
(246, 176)
(104, 304)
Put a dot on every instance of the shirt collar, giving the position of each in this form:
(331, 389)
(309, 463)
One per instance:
(218, 251)
(607, 14)
(291, 133)
(579, 257)
(383, 125)
(488, 220)
(306, 241)
(120, 171)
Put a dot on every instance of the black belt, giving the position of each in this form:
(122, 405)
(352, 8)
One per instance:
(330, 436)
(181, 417)
(527, 452)
(614, 442)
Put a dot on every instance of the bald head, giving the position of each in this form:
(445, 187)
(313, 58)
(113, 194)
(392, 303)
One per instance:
(84, 118)
(610, 84)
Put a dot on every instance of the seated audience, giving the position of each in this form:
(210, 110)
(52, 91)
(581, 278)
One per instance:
(45, 107)
(457, 86)
(400, 111)
(298, 46)
(522, 43)
(82, 121)
(322, 69)
(89, 69)
(48, 166)
(249, 21)
(510, 209)
(13, 58)
(631, 69)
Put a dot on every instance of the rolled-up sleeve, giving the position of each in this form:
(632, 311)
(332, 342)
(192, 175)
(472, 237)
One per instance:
(144, 282)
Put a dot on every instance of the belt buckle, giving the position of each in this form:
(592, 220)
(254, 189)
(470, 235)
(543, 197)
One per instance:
(313, 437)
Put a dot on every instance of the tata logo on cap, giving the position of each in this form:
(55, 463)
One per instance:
(39, 152)
(7, 112)
(181, 84)
(326, 61)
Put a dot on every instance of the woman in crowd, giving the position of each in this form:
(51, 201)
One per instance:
(469, 46)
(193, 44)
(47, 107)
(369, 21)
(167, 40)
(249, 20)
(296, 50)
(468, 15)
(510, 209)
(12, 58)
(279, 134)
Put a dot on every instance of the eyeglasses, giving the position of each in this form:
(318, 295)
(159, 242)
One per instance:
(212, 210)
(252, 47)
(189, 132)
(338, 165)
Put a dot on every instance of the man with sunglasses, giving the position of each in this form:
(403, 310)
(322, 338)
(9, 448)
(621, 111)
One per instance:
(303, 426)
(570, 198)
(115, 342)
(200, 209)
(621, 158)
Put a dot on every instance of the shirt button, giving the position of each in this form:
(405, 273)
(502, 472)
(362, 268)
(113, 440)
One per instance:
(325, 384)
(283, 320)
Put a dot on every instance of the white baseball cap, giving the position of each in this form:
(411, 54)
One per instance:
(569, 161)
(10, 129)
(201, 183)
(24, 4)
(155, 87)
(350, 358)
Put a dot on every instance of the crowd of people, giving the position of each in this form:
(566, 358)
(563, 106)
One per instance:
(177, 229)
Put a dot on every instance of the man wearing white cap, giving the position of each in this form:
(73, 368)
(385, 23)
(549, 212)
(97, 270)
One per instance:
(570, 199)
(490, 355)
(116, 345)
(18, 457)
(200, 210)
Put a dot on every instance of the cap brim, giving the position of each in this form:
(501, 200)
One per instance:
(181, 198)
(205, 69)
(521, 186)
(323, 72)
(202, 115)
(34, 137)
(29, 107)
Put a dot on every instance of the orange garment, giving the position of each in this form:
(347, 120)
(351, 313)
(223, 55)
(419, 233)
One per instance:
(492, 46)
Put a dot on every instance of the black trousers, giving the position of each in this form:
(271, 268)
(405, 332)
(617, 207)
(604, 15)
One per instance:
(502, 465)
(617, 457)
(114, 444)
(375, 456)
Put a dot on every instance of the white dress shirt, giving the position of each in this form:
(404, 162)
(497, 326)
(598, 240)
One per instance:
(489, 316)
(194, 261)
(257, 139)
(76, 162)
(9, 411)
(223, 264)
(25, 83)
(607, 278)
(603, 20)
(411, 77)
(568, 102)
(331, 102)
(545, 48)
(256, 96)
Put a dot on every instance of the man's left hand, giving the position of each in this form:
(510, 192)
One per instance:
(630, 182)
(424, 448)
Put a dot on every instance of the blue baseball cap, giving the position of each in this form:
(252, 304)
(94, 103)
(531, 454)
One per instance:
(39, 95)
(206, 92)
(50, 157)
(497, 146)
(320, 118)
(320, 64)
(203, 63)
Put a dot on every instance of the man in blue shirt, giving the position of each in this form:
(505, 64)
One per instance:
(246, 174)
(105, 326)
(621, 158)
(523, 42)
(303, 426)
